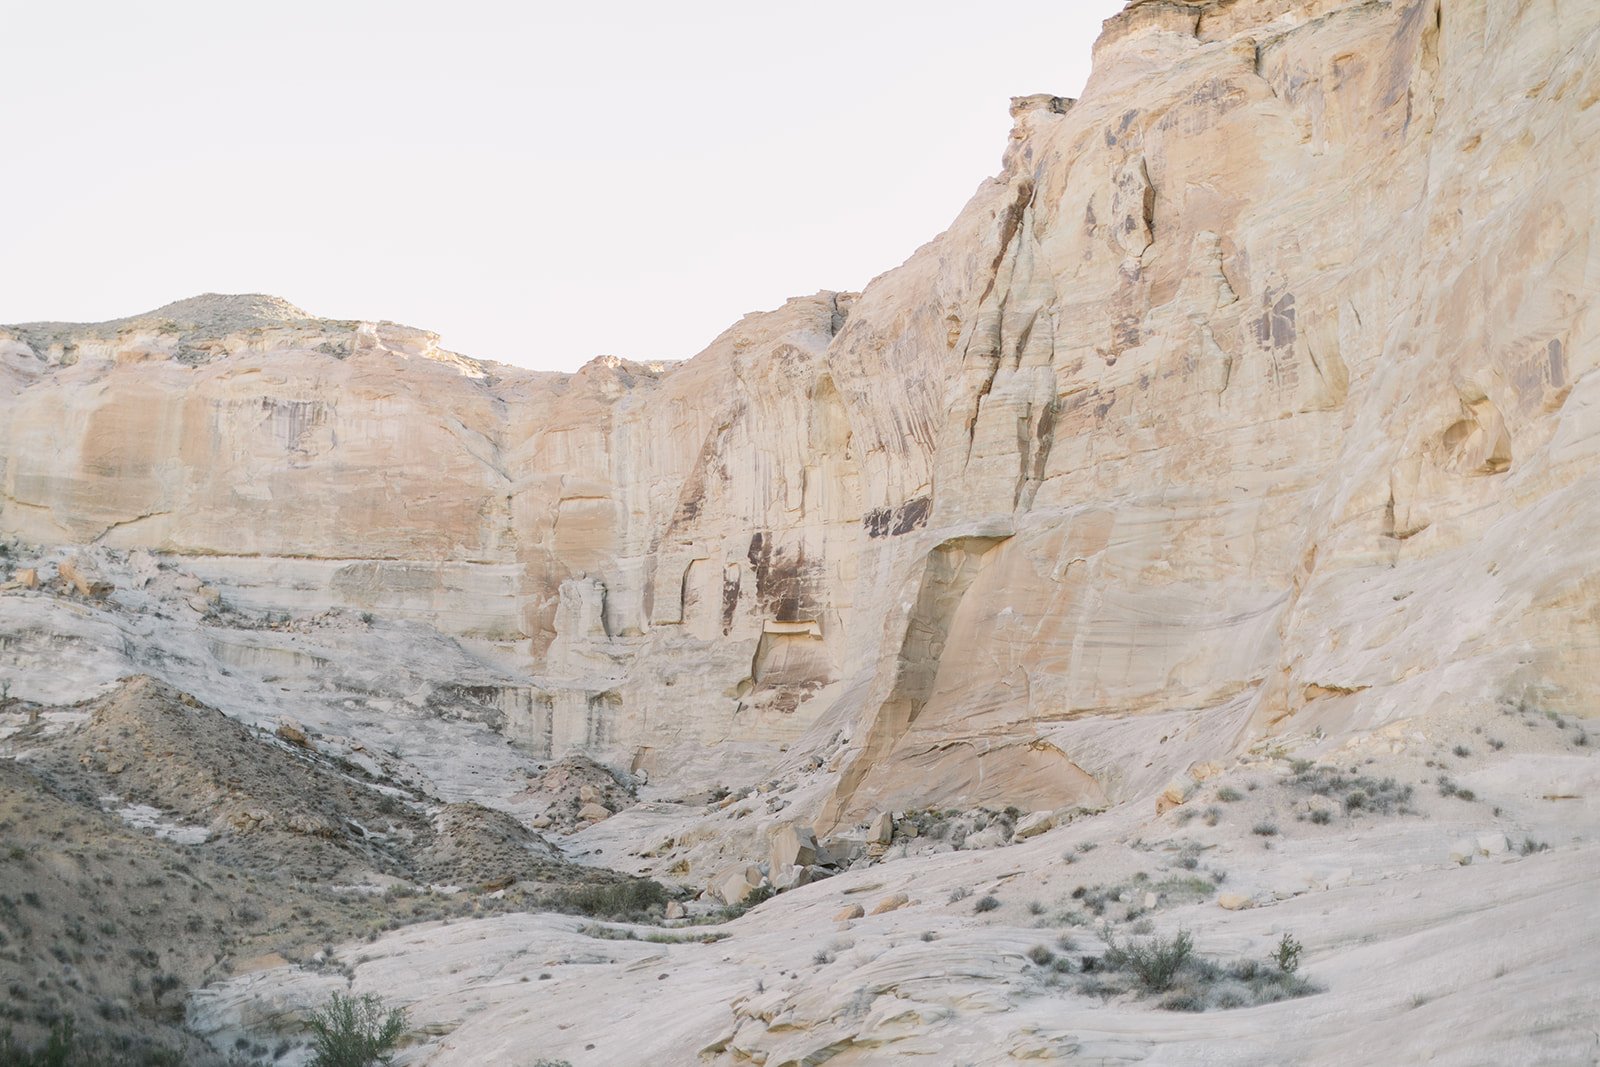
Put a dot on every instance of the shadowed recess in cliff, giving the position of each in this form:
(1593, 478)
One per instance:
(947, 573)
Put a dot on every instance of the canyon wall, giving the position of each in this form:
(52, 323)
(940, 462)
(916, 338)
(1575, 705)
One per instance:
(1255, 393)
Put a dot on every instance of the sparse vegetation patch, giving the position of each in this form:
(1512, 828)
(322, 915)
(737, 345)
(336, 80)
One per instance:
(1354, 793)
(1171, 969)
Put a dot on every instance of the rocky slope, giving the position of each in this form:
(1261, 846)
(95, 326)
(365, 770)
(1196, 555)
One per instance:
(1253, 398)
(152, 845)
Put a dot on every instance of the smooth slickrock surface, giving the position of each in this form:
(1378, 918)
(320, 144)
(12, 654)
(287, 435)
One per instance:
(1255, 397)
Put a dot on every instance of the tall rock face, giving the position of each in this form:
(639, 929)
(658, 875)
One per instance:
(1255, 393)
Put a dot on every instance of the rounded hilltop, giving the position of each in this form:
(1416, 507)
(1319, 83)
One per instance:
(208, 312)
(206, 315)
(228, 311)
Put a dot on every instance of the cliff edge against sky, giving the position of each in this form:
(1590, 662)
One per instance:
(1252, 402)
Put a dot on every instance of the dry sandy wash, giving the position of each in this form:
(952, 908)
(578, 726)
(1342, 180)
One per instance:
(1200, 536)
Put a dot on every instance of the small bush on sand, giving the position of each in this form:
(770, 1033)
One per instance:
(1155, 961)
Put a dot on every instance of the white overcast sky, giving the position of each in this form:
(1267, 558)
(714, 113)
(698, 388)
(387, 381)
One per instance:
(539, 183)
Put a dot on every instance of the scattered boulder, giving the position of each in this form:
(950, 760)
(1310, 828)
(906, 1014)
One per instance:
(1178, 791)
(1234, 901)
(1322, 803)
(25, 578)
(790, 877)
(78, 577)
(204, 599)
(1493, 844)
(676, 910)
(1181, 788)
(892, 902)
(592, 813)
(881, 829)
(992, 836)
(733, 885)
(293, 732)
(851, 911)
(1463, 850)
(1033, 824)
(793, 845)
(840, 852)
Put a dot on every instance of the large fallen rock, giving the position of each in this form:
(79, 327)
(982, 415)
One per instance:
(733, 885)
(793, 845)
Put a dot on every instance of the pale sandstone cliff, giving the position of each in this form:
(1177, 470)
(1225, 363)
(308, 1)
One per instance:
(1257, 385)
(1246, 422)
